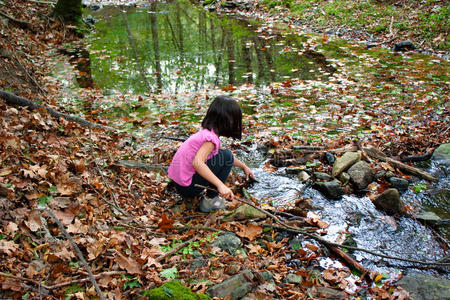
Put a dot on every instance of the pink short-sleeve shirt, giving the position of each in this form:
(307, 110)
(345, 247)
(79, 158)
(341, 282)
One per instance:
(181, 169)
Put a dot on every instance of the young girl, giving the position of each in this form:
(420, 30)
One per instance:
(199, 160)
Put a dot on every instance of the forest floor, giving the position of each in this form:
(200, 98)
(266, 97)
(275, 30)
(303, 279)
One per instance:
(376, 23)
(120, 218)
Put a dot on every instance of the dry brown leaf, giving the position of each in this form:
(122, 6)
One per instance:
(127, 263)
(250, 231)
(34, 222)
(8, 247)
(65, 216)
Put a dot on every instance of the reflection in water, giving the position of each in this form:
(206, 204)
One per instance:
(178, 47)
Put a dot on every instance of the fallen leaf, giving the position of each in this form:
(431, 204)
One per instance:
(165, 223)
(127, 263)
(251, 231)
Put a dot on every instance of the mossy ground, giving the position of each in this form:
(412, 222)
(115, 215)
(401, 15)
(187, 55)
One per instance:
(174, 290)
(425, 22)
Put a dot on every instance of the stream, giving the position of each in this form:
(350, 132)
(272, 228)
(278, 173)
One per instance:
(178, 51)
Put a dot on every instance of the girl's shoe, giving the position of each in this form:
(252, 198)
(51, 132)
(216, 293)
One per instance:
(210, 204)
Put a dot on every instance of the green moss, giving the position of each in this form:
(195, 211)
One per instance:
(174, 290)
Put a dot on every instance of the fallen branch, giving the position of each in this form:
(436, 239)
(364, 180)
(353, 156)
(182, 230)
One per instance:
(77, 250)
(377, 154)
(287, 227)
(12, 99)
(350, 260)
(22, 24)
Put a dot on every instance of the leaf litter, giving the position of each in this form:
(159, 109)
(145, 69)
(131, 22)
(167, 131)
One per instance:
(121, 218)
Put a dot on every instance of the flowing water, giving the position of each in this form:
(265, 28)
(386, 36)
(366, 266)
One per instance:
(178, 49)
(357, 216)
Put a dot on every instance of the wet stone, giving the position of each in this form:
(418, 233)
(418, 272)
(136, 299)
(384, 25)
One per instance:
(293, 170)
(331, 189)
(344, 162)
(361, 175)
(267, 276)
(293, 278)
(399, 183)
(344, 178)
(428, 217)
(389, 202)
(421, 286)
(441, 156)
(228, 242)
(322, 176)
(329, 158)
(379, 175)
(235, 287)
(303, 176)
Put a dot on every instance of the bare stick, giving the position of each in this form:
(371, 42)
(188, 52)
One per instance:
(12, 99)
(77, 250)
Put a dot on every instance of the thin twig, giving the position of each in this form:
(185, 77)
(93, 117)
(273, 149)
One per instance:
(77, 250)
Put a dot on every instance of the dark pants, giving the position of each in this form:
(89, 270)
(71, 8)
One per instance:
(220, 164)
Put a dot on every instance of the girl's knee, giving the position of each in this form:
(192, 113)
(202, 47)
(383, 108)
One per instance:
(228, 157)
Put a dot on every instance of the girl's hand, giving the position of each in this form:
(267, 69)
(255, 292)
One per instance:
(225, 192)
(248, 173)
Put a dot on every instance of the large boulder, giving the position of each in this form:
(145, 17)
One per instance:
(344, 162)
(361, 175)
(331, 189)
(235, 287)
(421, 286)
(442, 156)
(389, 202)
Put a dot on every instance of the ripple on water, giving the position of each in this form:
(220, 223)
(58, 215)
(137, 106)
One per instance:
(356, 216)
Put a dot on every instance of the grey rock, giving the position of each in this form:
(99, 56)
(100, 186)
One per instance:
(322, 176)
(403, 46)
(389, 174)
(441, 156)
(329, 158)
(236, 287)
(379, 175)
(211, 204)
(198, 263)
(398, 183)
(293, 278)
(344, 162)
(229, 242)
(331, 189)
(421, 286)
(344, 178)
(322, 292)
(303, 176)
(428, 217)
(361, 175)
(389, 202)
(267, 276)
(293, 170)
(244, 212)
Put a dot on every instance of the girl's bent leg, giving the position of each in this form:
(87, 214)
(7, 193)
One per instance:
(220, 164)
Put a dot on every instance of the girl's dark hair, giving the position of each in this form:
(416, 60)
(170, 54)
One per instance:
(224, 116)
